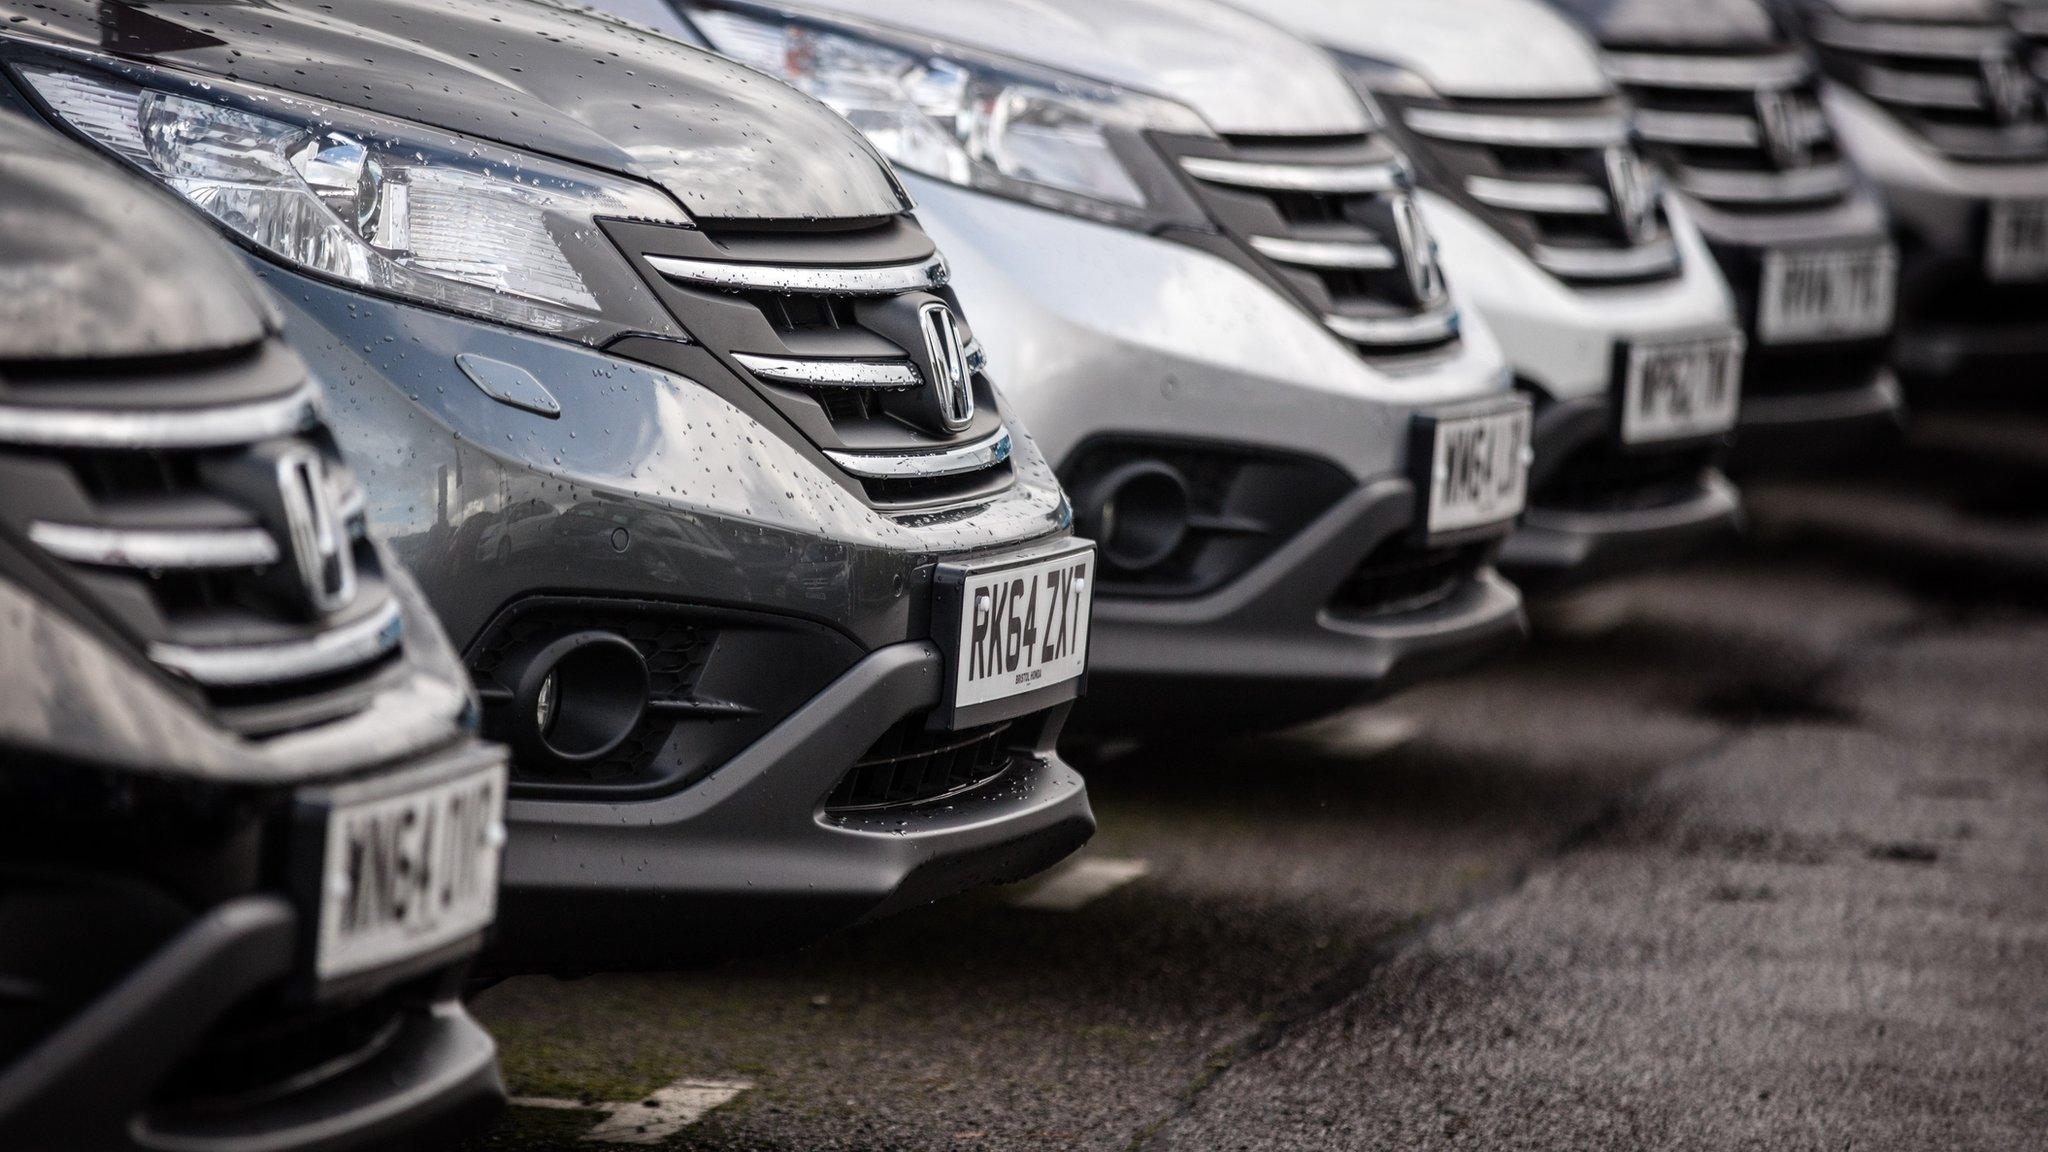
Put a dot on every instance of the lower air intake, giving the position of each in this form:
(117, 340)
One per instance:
(910, 765)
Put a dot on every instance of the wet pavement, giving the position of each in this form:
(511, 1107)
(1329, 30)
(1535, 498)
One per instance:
(1749, 855)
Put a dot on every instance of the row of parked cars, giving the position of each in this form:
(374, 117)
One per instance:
(496, 486)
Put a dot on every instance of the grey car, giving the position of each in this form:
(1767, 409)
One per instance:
(659, 389)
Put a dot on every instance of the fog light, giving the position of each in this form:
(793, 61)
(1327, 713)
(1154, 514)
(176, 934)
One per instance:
(582, 695)
(1137, 514)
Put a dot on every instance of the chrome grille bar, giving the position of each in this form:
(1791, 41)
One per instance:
(833, 373)
(242, 666)
(806, 280)
(1923, 90)
(162, 428)
(1503, 131)
(1652, 259)
(1543, 197)
(1333, 179)
(1421, 328)
(1360, 255)
(986, 452)
(1712, 129)
(1824, 182)
(1903, 38)
(156, 548)
(1723, 73)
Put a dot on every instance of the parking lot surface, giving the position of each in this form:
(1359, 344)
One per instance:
(1753, 854)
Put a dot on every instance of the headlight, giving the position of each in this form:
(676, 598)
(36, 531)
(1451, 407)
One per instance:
(1057, 141)
(394, 208)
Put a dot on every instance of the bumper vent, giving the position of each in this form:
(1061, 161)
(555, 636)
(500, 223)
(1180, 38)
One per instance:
(1967, 87)
(1333, 219)
(1599, 477)
(910, 765)
(849, 330)
(1561, 178)
(1403, 577)
(1744, 133)
(204, 510)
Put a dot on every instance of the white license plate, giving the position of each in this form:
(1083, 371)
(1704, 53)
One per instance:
(1478, 469)
(1828, 294)
(1023, 627)
(407, 874)
(2017, 245)
(1681, 390)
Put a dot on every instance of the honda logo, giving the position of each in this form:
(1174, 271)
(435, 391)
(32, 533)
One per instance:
(951, 381)
(1418, 253)
(318, 540)
(2014, 96)
(1634, 191)
(1782, 119)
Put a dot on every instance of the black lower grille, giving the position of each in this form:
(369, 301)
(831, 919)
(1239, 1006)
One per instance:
(1401, 577)
(911, 765)
(1600, 477)
(261, 1053)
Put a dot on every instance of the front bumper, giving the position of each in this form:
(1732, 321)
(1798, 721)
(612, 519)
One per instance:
(1810, 403)
(1274, 647)
(91, 1084)
(1557, 547)
(1953, 320)
(158, 938)
(748, 860)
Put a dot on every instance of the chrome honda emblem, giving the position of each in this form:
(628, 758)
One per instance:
(1634, 192)
(2014, 96)
(1780, 117)
(319, 540)
(951, 379)
(1418, 252)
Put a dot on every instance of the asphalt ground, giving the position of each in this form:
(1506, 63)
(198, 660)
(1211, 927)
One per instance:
(1748, 855)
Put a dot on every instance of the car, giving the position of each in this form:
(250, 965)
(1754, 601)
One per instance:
(248, 837)
(1729, 107)
(659, 390)
(1603, 295)
(1200, 274)
(1939, 103)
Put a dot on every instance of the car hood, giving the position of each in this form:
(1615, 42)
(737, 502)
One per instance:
(724, 140)
(96, 265)
(1242, 75)
(1731, 25)
(1478, 49)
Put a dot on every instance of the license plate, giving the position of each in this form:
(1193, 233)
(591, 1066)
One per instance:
(1478, 468)
(1681, 390)
(1022, 627)
(2017, 246)
(411, 873)
(1827, 295)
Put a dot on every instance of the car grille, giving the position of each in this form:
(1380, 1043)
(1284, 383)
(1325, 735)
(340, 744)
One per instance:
(911, 765)
(1600, 477)
(1332, 219)
(1401, 576)
(1964, 86)
(202, 509)
(717, 680)
(1559, 177)
(824, 322)
(1744, 133)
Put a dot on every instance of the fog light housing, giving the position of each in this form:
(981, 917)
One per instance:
(1137, 513)
(578, 697)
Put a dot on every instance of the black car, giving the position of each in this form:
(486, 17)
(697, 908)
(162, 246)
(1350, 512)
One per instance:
(248, 839)
(1729, 105)
(658, 388)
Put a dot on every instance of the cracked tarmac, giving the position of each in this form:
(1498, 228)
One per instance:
(1750, 854)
